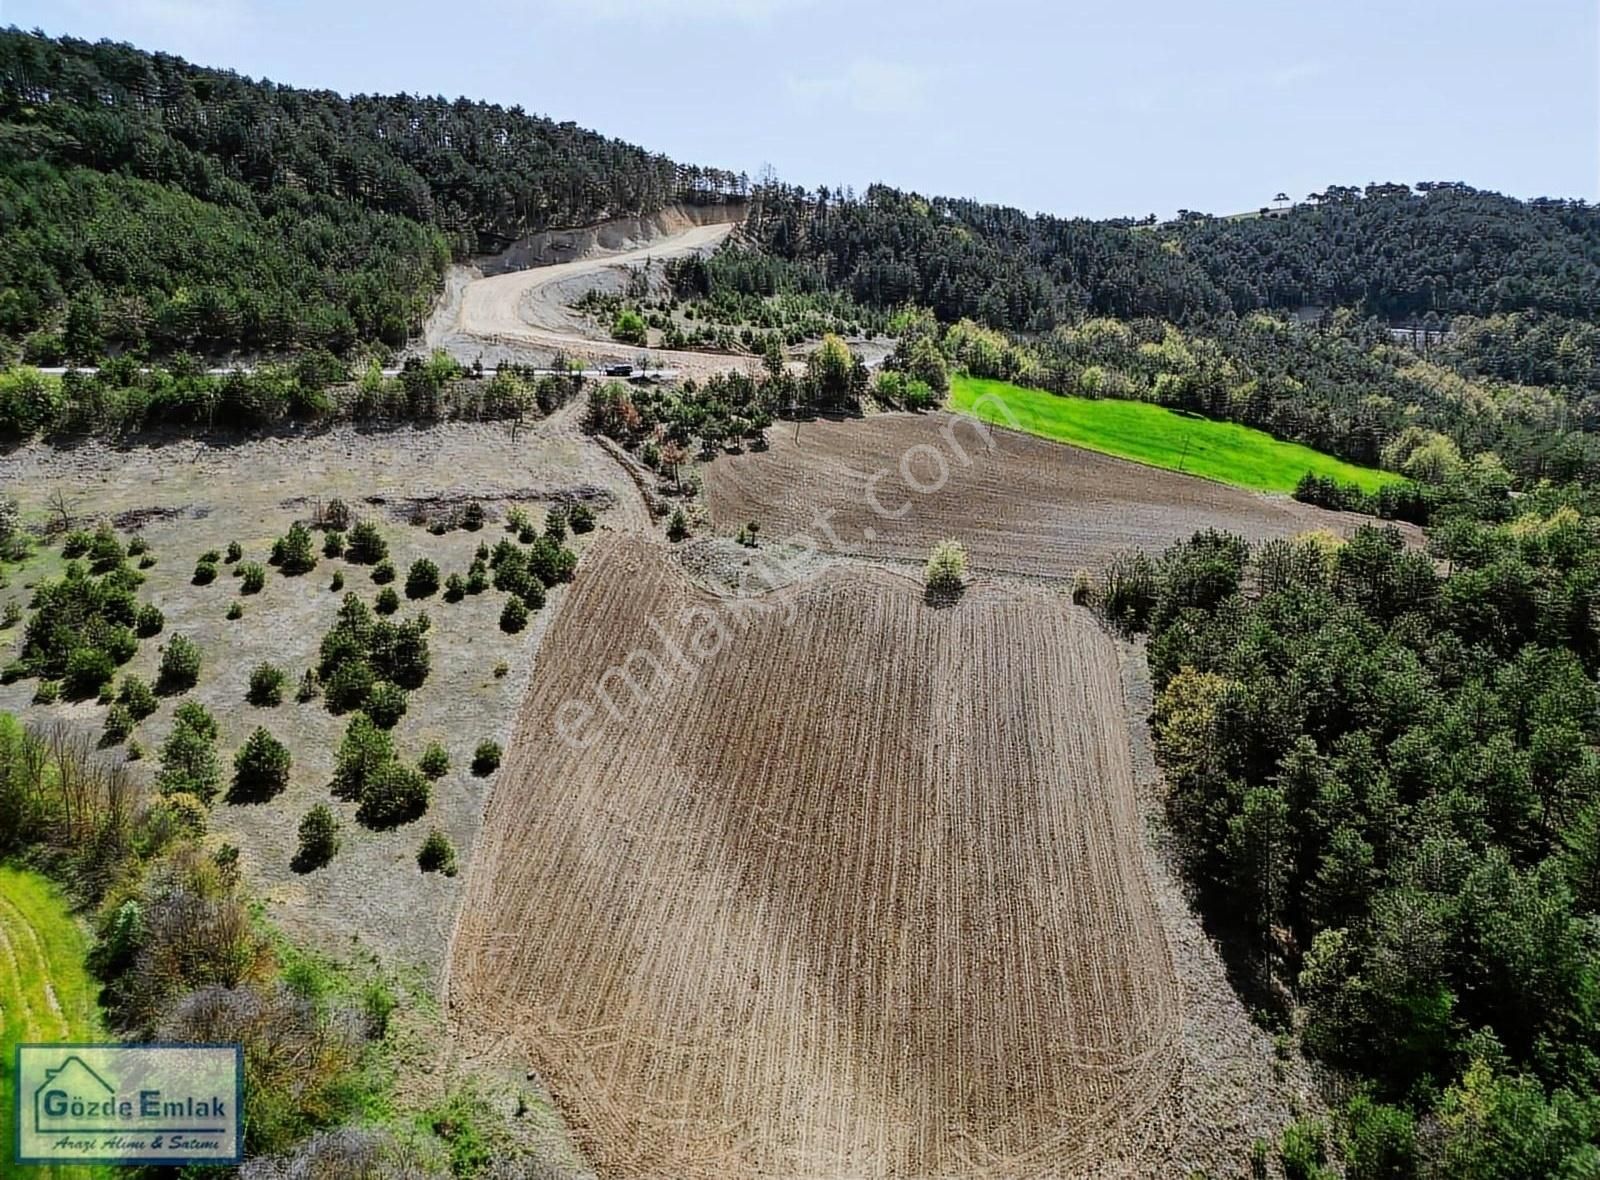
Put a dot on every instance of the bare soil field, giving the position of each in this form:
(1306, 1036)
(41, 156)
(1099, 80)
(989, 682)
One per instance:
(852, 889)
(891, 485)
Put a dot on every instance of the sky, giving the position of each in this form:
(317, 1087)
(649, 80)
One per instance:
(1073, 107)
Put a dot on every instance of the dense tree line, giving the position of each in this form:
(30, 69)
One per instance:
(1385, 780)
(149, 203)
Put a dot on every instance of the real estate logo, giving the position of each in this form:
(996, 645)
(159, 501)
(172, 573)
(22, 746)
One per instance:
(143, 1104)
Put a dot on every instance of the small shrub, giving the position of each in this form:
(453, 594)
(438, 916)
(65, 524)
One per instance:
(235, 610)
(581, 518)
(338, 581)
(76, 543)
(517, 520)
(396, 794)
(134, 752)
(293, 552)
(472, 516)
(555, 525)
(137, 546)
(333, 544)
(119, 725)
(336, 515)
(422, 580)
(387, 601)
(180, 666)
(434, 763)
(260, 769)
(437, 855)
(366, 544)
(533, 594)
(266, 685)
(455, 588)
(486, 759)
(349, 685)
(11, 616)
(383, 573)
(501, 669)
(87, 669)
(46, 692)
(946, 570)
(252, 577)
(147, 560)
(513, 616)
(211, 557)
(148, 621)
(319, 839)
(1082, 588)
(678, 526)
(310, 686)
(385, 704)
(205, 572)
(136, 697)
(235, 552)
(477, 578)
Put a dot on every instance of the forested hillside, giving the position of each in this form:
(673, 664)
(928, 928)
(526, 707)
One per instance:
(172, 206)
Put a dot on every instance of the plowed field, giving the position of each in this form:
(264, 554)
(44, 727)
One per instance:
(856, 894)
(893, 484)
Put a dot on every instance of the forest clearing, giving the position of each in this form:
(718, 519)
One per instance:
(882, 915)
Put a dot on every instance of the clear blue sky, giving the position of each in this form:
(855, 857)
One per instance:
(1129, 107)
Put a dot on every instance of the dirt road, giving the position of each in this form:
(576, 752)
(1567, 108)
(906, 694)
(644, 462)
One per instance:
(531, 309)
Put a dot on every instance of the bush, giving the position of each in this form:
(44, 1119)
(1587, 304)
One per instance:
(235, 552)
(105, 551)
(211, 557)
(235, 610)
(1128, 591)
(180, 666)
(335, 516)
(394, 795)
(385, 704)
(434, 763)
(477, 577)
(455, 588)
(292, 553)
(383, 572)
(555, 525)
(76, 543)
(437, 855)
(501, 669)
(1082, 588)
(266, 685)
(333, 544)
(46, 692)
(119, 725)
(581, 518)
(148, 621)
(387, 601)
(260, 769)
(486, 759)
(366, 545)
(310, 686)
(189, 756)
(205, 572)
(147, 560)
(678, 526)
(136, 696)
(319, 839)
(422, 579)
(472, 516)
(337, 584)
(252, 577)
(87, 669)
(946, 570)
(363, 751)
(11, 616)
(349, 685)
(513, 616)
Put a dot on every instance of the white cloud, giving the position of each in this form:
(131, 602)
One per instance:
(869, 85)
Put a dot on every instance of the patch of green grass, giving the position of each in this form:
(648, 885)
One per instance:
(46, 992)
(1152, 434)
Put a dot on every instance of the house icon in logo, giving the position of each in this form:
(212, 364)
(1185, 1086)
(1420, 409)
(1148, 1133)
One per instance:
(72, 1097)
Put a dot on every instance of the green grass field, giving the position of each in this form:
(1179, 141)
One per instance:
(1152, 434)
(46, 993)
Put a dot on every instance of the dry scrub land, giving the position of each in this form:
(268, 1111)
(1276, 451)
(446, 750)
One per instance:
(892, 485)
(860, 894)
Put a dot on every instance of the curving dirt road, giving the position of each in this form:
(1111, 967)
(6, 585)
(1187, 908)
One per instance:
(531, 309)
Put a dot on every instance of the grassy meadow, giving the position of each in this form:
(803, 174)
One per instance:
(1148, 433)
